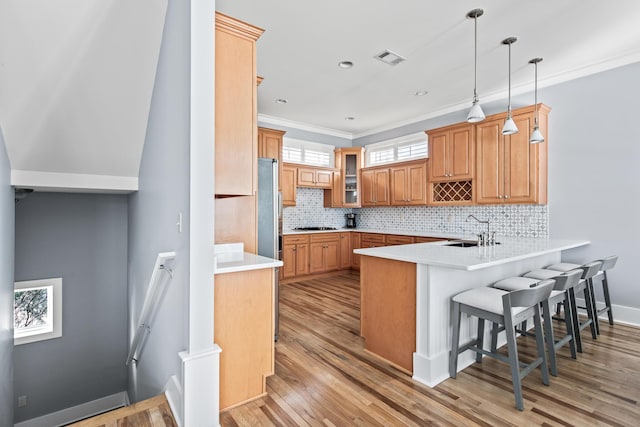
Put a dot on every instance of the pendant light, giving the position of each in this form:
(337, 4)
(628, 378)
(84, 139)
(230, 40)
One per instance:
(536, 135)
(475, 113)
(509, 127)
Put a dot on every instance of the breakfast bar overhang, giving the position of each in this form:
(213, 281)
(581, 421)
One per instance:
(406, 292)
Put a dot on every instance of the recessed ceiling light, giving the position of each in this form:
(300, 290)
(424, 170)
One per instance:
(281, 101)
(345, 64)
(421, 93)
(349, 118)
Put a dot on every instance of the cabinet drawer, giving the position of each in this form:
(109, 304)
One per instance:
(399, 240)
(295, 240)
(428, 239)
(372, 238)
(324, 237)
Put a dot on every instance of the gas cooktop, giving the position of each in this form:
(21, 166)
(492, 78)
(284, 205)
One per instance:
(314, 228)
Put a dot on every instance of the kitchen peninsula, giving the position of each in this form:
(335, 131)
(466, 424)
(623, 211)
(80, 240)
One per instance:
(406, 292)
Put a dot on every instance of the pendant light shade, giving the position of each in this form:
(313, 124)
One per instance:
(475, 113)
(536, 135)
(509, 127)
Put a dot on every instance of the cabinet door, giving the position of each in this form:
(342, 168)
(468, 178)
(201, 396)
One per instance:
(302, 259)
(306, 177)
(355, 244)
(324, 179)
(489, 186)
(288, 185)
(520, 165)
(460, 154)
(399, 189)
(316, 257)
(332, 255)
(381, 187)
(368, 195)
(235, 113)
(270, 144)
(289, 261)
(345, 250)
(417, 184)
(438, 170)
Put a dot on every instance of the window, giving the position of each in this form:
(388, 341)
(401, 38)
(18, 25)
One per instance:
(401, 149)
(37, 310)
(307, 153)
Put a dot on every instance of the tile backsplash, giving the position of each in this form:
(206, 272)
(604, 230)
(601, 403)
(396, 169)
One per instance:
(506, 220)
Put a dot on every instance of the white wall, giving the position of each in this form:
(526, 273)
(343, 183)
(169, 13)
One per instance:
(6, 289)
(594, 173)
(154, 209)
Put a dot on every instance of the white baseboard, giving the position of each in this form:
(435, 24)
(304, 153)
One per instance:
(173, 392)
(78, 412)
(621, 314)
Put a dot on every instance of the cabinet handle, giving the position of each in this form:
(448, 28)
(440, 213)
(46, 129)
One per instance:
(501, 196)
(506, 196)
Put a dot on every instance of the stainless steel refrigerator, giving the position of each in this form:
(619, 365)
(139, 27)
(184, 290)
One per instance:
(270, 221)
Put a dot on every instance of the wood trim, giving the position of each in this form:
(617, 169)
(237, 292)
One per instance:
(236, 27)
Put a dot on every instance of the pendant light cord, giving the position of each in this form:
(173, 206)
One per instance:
(475, 60)
(535, 117)
(509, 109)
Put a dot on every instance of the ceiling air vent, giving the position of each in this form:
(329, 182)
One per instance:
(389, 57)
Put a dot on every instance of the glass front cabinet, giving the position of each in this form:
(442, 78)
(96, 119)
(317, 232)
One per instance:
(349, 161)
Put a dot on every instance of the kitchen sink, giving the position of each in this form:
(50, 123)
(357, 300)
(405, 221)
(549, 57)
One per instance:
(464, 243)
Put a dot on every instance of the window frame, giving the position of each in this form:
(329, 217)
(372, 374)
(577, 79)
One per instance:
(56, 307)
(395, 144)
(311, 147)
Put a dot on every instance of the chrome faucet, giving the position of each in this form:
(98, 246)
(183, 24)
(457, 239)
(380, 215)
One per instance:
(485, 238)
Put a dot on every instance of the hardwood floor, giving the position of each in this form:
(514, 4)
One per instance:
(154, 412)
(323, 376)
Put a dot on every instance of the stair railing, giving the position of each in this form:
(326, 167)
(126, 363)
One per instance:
(149, 305)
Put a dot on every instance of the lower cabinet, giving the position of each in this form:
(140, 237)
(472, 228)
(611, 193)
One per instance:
(324, 251)
(356, 243)
(244, 328)
(346, 251)
(295, 255)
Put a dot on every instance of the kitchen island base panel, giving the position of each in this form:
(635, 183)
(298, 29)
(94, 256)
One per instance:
(388, 314)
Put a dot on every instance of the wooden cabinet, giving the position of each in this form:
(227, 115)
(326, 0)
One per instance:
(509, 168)
(349, 162)
(451, 153)
(324, 250)
(345, 250)
(356, 243)
(295, 255)
(270, 145)
(409, 183)
(393, 239)
(375, 186)
(288, 184)
(420, 239)
(235, 107)
(244, 328)
(315, 178)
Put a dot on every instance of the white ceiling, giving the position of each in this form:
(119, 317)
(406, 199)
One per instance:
(304, 41)
(76, 79)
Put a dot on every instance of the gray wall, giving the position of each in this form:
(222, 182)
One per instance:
(308, 135)
(153, 211)
(6, 288)
(83, 239)
(594, 154)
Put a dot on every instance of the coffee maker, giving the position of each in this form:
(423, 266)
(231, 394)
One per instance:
(351, 220)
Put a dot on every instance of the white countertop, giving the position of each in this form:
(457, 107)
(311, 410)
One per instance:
(473, 258)
(380, 231)
(231, 258)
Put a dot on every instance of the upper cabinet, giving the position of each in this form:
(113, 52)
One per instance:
(288, 184)
(349, 161)
(451, 153)
(235, 107)
(509, 168)
(375, 186)
(314, 177)
(270, 145)
(409, 183)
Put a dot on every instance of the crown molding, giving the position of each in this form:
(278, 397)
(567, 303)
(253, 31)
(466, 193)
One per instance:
(303, 126)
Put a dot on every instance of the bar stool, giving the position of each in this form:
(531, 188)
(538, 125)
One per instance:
(563, 287)
(589, 270)
(607, 264)
(502, 308)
